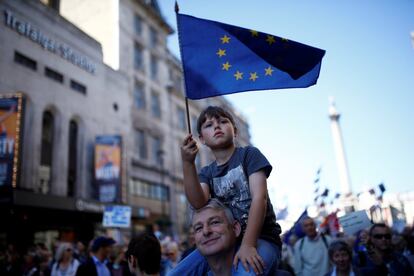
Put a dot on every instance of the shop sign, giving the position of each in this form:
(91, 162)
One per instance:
(117, 216)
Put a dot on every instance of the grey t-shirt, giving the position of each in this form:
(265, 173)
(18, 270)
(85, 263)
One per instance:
(230, 184)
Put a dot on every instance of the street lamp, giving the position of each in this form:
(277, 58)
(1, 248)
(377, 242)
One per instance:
(164, 219)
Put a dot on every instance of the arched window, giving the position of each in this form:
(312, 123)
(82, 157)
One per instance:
(46, 152)
(72, 157)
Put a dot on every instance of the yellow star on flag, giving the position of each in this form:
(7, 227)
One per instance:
(270, 39)
(226, 66)
(238, 75)
(268, 71)
(254, 33)
(253, 76)
(221, 52)
(225, 39)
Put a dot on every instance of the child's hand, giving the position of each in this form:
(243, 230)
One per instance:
(189, 149)
(248, 256)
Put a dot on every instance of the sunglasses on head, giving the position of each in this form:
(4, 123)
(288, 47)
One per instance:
(381, 236)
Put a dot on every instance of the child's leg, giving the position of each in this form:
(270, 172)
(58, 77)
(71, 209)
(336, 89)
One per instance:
(270, 254)
(192, 265)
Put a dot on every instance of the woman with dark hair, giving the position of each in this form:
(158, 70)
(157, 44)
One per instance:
(340, 254)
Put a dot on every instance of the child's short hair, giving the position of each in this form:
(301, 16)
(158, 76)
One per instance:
(213, 112)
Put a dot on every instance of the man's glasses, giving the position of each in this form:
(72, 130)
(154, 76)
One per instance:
(382, 236)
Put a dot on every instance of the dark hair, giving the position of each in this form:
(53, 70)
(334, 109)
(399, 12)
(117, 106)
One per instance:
(147, 249)
(377, 225)
(339, 246)
(213, 112)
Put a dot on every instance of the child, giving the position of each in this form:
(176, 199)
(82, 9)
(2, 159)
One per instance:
(237, 178)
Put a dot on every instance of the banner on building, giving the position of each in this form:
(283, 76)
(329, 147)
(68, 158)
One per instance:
(11, 110)
(108, 167)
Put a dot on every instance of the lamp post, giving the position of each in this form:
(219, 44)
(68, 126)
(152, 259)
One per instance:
(160, 154)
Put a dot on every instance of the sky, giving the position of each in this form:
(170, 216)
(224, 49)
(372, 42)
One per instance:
(369, 70)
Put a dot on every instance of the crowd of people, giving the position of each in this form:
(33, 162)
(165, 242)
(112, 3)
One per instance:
(377, 250)
(234, 229)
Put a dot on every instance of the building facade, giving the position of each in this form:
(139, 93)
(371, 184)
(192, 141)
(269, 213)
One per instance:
(82, 75)
(133, 35)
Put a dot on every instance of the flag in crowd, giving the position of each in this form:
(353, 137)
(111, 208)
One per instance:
(221, 59)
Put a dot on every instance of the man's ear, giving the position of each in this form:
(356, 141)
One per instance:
(237, 228)
(133, 261)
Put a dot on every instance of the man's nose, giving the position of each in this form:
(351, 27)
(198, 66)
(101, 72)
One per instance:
(206, 230)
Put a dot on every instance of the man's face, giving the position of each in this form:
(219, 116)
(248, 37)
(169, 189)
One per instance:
(381, 238)
(213, 233)
(217, 132)
(309, 227)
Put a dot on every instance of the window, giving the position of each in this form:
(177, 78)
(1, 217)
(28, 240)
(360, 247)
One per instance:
(52, 74)
(25, 61)
(72, 157)
(156, 149)
(78, 87)
(139, 96)
(149, 190)
(153, 37)
(155, 105)
(138, 57)
(138, 24)
(46, 153)
(141, 144)
(181, 118)
(154, 67)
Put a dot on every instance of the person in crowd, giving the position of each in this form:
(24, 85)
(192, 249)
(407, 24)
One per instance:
(340, 254)
(80, 252)
(31, 263)
(190, 245)
(118, 264)
(12, 265)
(288, 257)
(380, 259)
(409, 252)
(237, 177)
(144, 255)
(96, 265)
(65, 264)
(311, 251)
(171, 257)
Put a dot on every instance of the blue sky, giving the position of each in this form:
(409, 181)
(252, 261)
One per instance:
(369, 70)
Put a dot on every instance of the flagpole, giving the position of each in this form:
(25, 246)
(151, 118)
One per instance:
(177, 9)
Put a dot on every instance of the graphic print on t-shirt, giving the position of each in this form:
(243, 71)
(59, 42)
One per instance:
(233, 190)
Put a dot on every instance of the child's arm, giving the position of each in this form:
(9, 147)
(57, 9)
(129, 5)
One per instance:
(197, 193)
(247, 253)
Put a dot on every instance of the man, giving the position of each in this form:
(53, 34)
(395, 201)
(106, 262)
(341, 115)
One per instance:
(311, 251)
(215, 234)
(144, 255)
(380, 259)
(96, 264)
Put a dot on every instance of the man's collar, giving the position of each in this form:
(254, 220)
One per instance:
(97, 261)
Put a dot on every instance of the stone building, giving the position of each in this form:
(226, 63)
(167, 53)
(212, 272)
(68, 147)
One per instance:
(70, 97)
(133, 35)
(87, 69)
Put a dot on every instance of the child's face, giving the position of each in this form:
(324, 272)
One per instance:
(217, 132)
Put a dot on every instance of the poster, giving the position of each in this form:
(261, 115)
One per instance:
(10, 128)
(108, 167)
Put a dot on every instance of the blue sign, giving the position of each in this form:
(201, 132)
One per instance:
(117, 216)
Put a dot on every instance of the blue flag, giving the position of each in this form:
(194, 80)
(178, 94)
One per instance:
(222, 59)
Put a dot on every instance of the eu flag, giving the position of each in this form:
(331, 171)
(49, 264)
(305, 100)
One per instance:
(222, 59)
